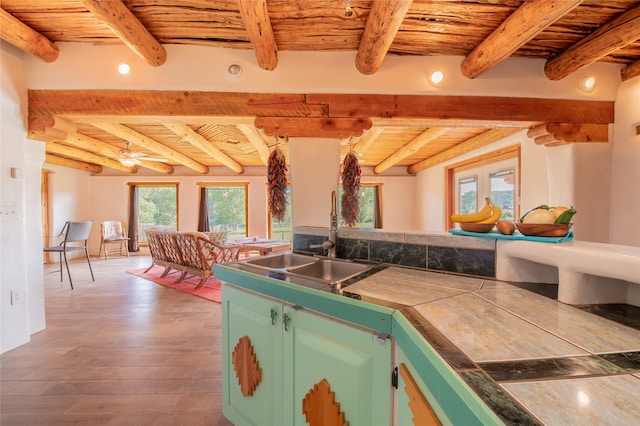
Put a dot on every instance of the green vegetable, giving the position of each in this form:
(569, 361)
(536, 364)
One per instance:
(543, 206)
(565, 217)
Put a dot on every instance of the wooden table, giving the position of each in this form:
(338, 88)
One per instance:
(264, 246)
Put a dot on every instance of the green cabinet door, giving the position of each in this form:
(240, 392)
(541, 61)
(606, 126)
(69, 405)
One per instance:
(413, 400)
(355, 363)
(251, 327)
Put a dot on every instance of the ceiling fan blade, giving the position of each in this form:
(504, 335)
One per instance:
(160, 160)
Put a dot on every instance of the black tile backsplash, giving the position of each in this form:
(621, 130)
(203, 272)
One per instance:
(467, 261)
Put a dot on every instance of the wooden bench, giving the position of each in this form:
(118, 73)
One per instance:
(586, 272)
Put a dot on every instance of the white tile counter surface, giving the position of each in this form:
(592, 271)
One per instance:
(555, 360)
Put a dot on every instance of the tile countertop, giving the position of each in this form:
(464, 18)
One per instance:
(563, 365)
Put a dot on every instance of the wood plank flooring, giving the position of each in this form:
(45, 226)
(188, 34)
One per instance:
(117, 351)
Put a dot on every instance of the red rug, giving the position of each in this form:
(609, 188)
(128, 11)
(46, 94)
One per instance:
(211, 290)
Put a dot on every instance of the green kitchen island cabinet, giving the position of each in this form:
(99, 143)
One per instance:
(284, 364)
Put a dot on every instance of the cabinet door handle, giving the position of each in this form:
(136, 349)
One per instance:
(274, 314)
(286, 320)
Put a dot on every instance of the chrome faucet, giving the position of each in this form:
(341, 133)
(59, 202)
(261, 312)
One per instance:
(330, 244)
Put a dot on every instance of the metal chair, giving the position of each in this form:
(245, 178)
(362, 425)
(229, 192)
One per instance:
(74, 232)
(112, 232)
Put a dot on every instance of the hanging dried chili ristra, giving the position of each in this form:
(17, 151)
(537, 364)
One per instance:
(350, 189)
(277, 179)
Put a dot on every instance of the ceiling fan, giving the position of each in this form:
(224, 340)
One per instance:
(129, 158)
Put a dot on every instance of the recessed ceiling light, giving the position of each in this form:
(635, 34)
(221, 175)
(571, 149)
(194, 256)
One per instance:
(587, 83)
(234, 71)
(124, 68)
(436, 78)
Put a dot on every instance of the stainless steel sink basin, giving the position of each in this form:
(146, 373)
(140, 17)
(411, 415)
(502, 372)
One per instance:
(281, 261)
(330, 270)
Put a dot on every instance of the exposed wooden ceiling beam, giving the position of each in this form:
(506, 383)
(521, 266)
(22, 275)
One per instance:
(526, 22)
(258, 25)
(85, 156)
(617, 33)
(469, 145)
(162, 106)
(382, 26)
(313, 127)
(552, 134)
(418, 142)
(117, 16)
(65, 130)
(73, 164)
(194, 138)
(23, 37)
(630, 71)
(255, 138)
(136, 138)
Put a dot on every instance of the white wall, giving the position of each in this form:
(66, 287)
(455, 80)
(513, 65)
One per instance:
(625, 167)
(21, 279)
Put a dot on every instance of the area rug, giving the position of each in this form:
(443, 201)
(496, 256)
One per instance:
(211, 290)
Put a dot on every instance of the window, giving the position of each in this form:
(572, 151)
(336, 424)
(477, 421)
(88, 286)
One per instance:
(370, 205)
(494, 175)
(157, 207)
(282, 230)
(227, 205)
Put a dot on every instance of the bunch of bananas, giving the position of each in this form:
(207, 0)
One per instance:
(490, 213)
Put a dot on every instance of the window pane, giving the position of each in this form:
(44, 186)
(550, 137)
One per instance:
(228, 210)
(503, 195)
(157, 207)
(468, 190)
(283, 230)
(367, 204)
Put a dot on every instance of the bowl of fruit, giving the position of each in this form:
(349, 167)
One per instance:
(545, 221)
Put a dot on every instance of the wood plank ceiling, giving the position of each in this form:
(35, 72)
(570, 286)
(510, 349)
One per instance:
(87, 129)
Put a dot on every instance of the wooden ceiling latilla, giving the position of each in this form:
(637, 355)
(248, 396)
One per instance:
(469, 145)
(25, 38)
(73, 164)
(418, 142)
(189, 135)
(258, 25)
(518, 29)
(617, 33)
(553, 134)
(136, 138)
(382, 26)
(117, 16)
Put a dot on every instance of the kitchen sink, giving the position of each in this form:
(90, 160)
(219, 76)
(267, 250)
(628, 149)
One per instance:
(331, 271)
(281, 261)
(326, 270)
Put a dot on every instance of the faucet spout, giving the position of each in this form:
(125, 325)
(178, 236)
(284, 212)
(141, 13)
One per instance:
(333, 227)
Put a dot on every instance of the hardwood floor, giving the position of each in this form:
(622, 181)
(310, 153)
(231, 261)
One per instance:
(117, 351)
